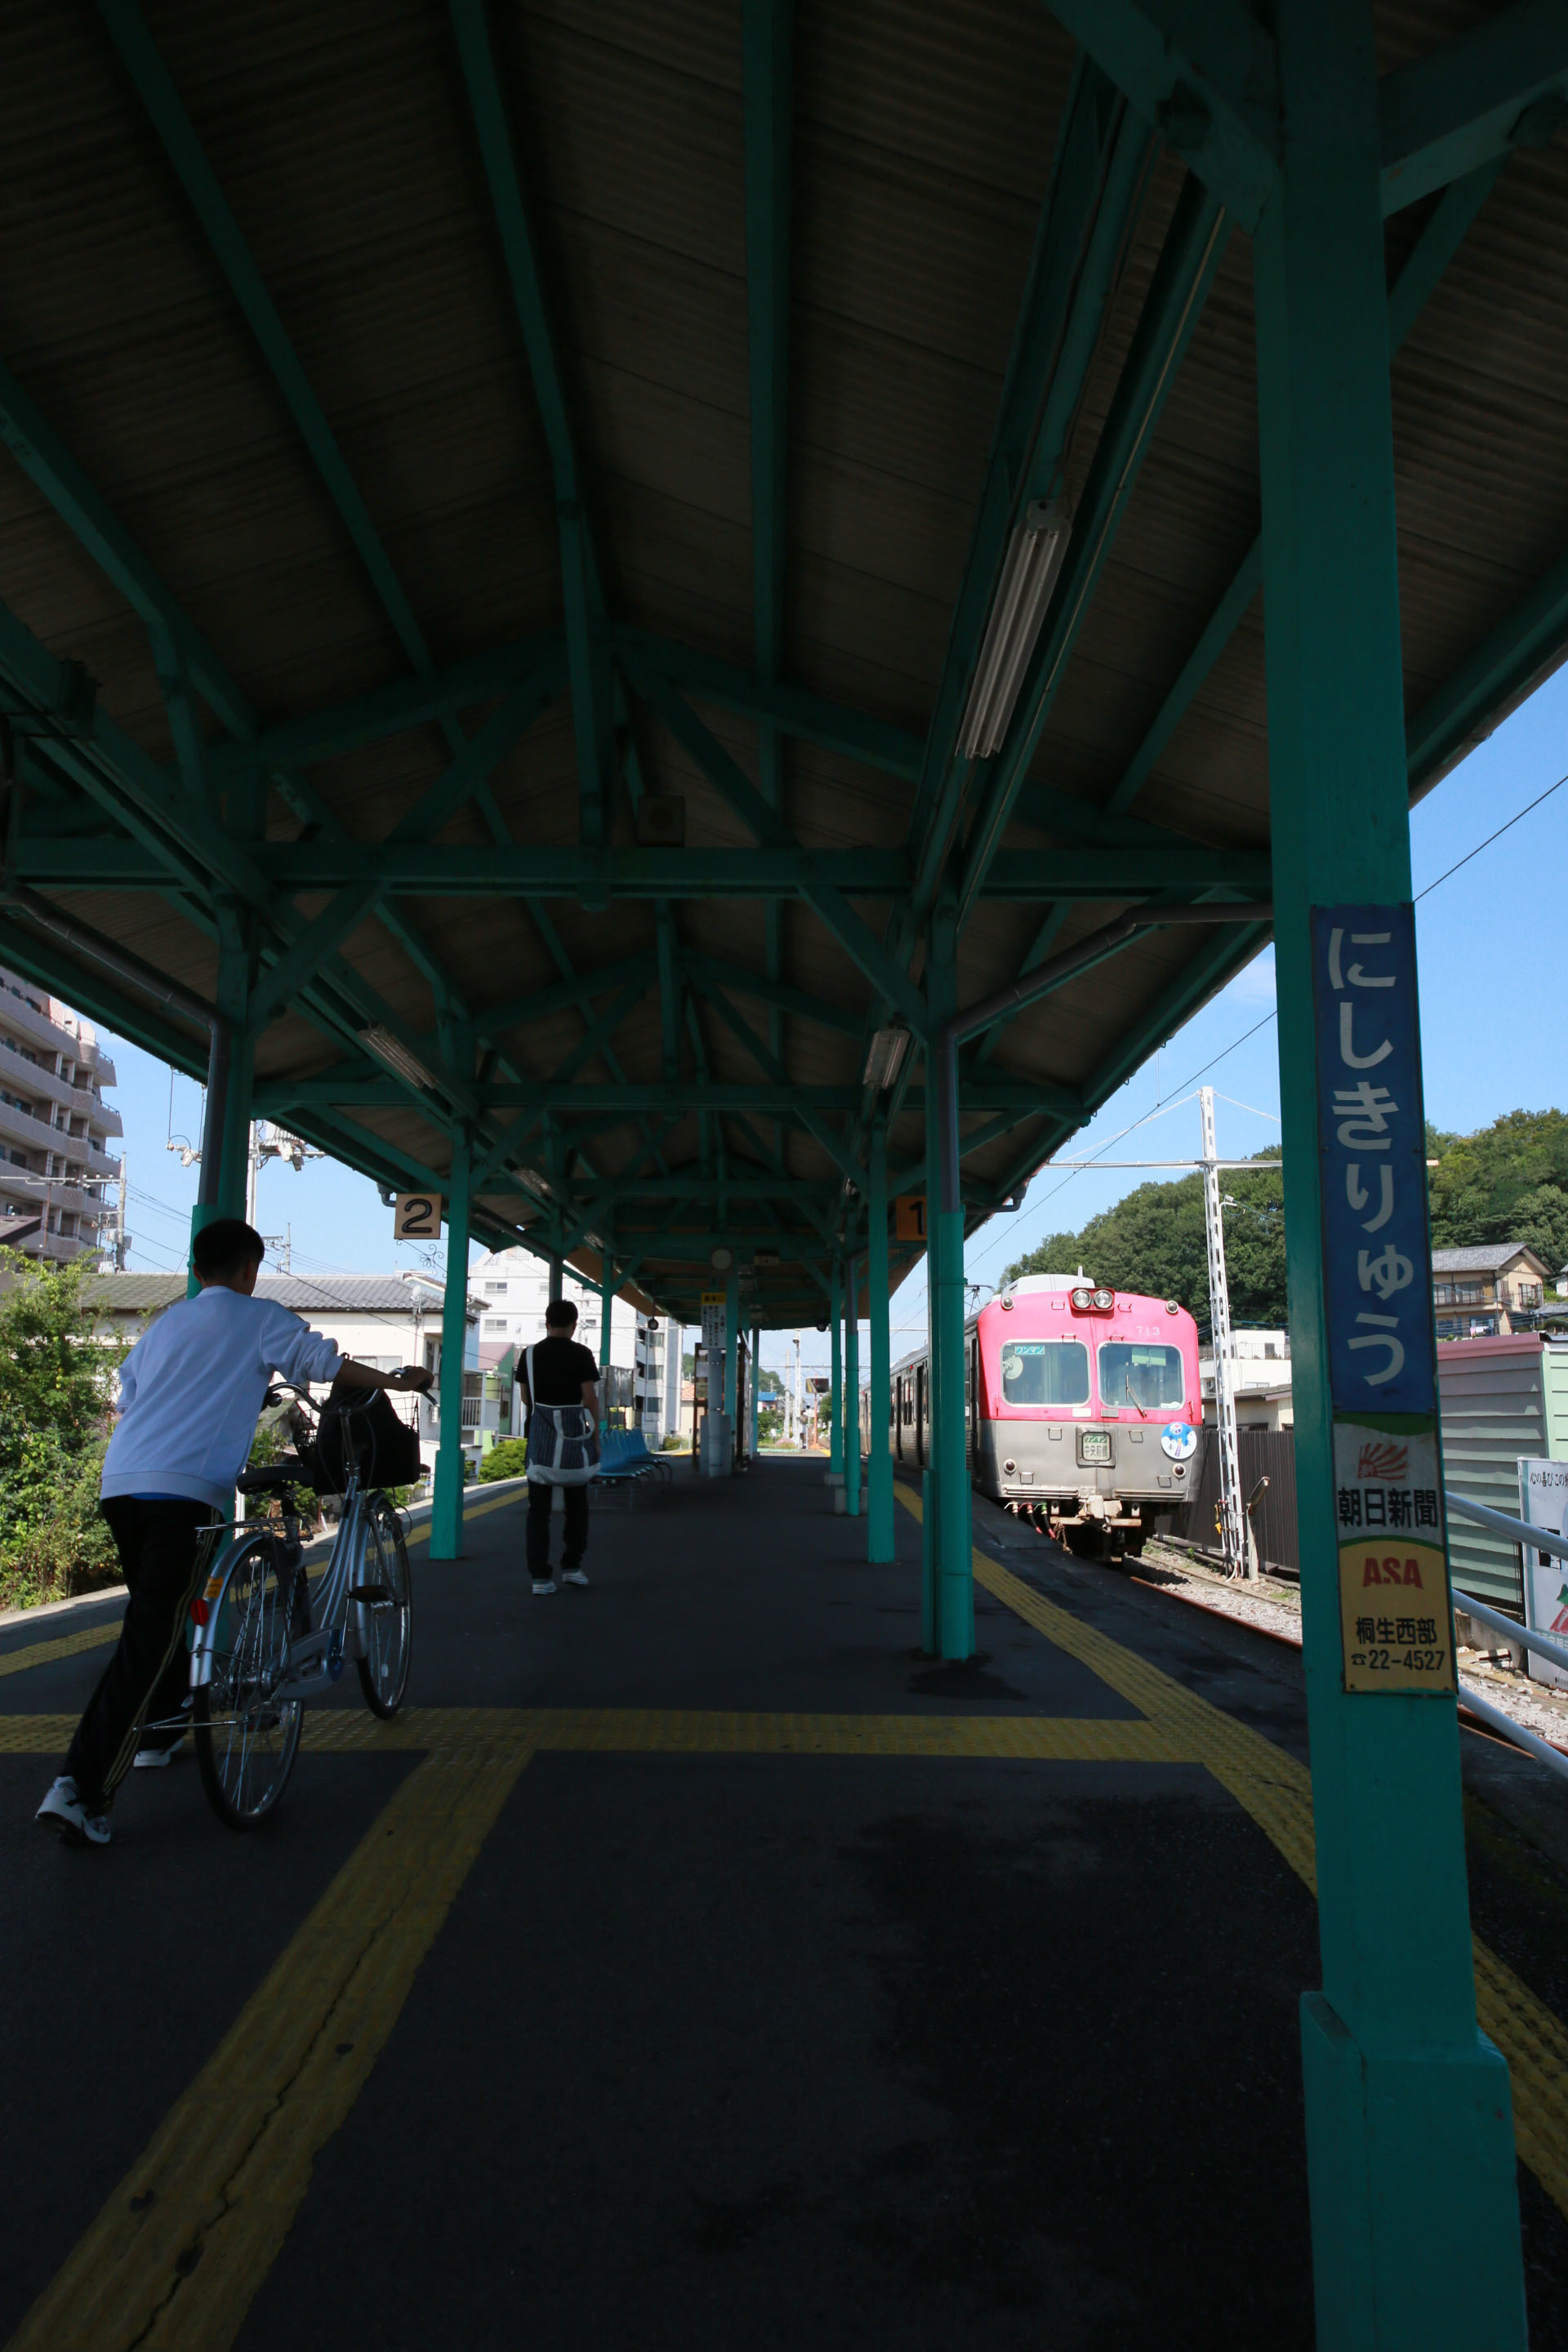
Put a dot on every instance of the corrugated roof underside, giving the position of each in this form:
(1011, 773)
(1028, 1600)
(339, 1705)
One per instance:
(924, 132)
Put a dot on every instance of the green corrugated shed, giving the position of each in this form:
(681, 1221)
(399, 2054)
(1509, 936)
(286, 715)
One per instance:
(1500, 1399)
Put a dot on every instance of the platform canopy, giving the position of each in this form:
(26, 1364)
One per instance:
(586, 574)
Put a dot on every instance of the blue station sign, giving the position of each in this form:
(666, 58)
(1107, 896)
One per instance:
(1376, 1255)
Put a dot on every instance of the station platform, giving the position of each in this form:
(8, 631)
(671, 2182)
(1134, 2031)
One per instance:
(695, 1964)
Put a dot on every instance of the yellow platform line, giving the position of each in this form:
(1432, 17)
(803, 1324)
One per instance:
(1277, 1791)
(98, 1637)
(476, 1732)
(174, 2259)
(63, 1645)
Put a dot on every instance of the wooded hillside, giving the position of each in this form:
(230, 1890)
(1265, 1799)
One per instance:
(1507, 1183)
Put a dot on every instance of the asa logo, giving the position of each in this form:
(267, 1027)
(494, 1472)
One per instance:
(1389, 1572)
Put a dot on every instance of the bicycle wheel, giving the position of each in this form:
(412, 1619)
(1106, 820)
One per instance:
(246, 1738)
(386, 1593)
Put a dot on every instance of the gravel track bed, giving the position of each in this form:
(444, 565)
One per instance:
(1275, 1607)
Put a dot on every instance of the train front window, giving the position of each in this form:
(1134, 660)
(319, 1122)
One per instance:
(1045, 1371)
(1138, 1378)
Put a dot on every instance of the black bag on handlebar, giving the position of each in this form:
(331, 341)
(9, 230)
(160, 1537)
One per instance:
(362, 1426)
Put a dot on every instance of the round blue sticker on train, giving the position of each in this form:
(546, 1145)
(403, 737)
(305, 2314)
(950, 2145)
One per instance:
(1180, 1440)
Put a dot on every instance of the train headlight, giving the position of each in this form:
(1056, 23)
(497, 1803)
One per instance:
(1104, 1302)
(1085, 1301)
(1173, 1307)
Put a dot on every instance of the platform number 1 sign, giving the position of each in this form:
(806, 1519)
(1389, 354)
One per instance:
(416, 1217)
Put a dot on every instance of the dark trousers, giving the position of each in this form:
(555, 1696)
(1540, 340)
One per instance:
(164, 1561)
(574, 1500)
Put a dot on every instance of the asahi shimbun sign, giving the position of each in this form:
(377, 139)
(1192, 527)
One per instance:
(1395, 1617)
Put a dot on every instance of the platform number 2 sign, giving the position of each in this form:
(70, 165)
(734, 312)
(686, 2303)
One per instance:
(416, 1217)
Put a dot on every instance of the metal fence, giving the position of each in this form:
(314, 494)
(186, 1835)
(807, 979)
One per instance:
(1265, 1454)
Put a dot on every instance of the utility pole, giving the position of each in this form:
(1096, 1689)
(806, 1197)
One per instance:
(121, 1238)
(1233, 1520)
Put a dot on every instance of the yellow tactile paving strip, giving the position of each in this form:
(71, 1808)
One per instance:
(180, 2248)
(176, 2255)
(63, 1645)
(1277, 1791)
(476, 1732)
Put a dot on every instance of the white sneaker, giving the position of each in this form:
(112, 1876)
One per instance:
(152, 1759)
(545, 1584)
(63, 1809)
(573, 1576)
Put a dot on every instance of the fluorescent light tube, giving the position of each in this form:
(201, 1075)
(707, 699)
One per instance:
(884, 1056)
(1029, 573)
(394, 1055)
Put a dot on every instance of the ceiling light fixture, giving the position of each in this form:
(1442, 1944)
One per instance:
(1030, 573)
(884, 1056)
(394, 1055)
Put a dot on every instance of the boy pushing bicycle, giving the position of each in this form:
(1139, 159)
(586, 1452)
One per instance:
(190, 1393)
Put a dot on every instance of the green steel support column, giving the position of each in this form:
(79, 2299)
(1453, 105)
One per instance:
(606, 1310)
(446, 1510)
(879, 1538)
(836, 1389)
(952, 1541)
(231, 1078)
(852, 1389)
(732, 1354)
(557, 1277)
(751, 1391)
(1408, 2119)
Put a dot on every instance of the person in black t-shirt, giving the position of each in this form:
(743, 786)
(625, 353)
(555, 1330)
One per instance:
(566, 1375)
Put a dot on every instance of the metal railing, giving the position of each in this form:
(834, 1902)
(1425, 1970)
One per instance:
(1523, 1637)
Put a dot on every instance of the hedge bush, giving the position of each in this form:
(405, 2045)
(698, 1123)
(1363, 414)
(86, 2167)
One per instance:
(508, 1458)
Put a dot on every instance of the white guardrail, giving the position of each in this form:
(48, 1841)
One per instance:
(1544, 1645)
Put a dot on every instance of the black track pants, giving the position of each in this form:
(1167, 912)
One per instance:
(164, 1561)
(574, 1500)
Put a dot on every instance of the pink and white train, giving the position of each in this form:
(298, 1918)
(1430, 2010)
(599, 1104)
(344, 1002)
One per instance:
(1083, 1409)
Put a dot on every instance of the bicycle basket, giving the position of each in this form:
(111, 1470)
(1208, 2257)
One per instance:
(362, 1430)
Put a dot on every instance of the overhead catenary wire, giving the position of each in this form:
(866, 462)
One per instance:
(1184, 1095)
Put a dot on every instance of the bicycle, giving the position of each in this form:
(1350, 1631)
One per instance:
(262, 1644)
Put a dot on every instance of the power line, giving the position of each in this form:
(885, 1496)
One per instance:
(1497, 835)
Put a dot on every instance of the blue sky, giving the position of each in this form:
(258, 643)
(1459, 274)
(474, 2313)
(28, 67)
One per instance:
(1494, 972)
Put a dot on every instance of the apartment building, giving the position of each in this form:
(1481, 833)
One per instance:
(512, 1288)
(56, 1128)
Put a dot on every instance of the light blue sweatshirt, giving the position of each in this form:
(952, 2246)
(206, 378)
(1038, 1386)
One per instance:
(192, 1387)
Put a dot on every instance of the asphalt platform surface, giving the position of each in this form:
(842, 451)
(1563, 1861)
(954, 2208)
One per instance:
(753, 2050)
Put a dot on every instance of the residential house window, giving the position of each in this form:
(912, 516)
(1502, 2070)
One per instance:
(495, 1290)
(1472, 1294)
(1530, 1294)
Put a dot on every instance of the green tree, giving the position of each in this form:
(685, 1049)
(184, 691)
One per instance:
(1153, 1241)
(1507, 1183)
(54, 1373)
(55, 1379)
